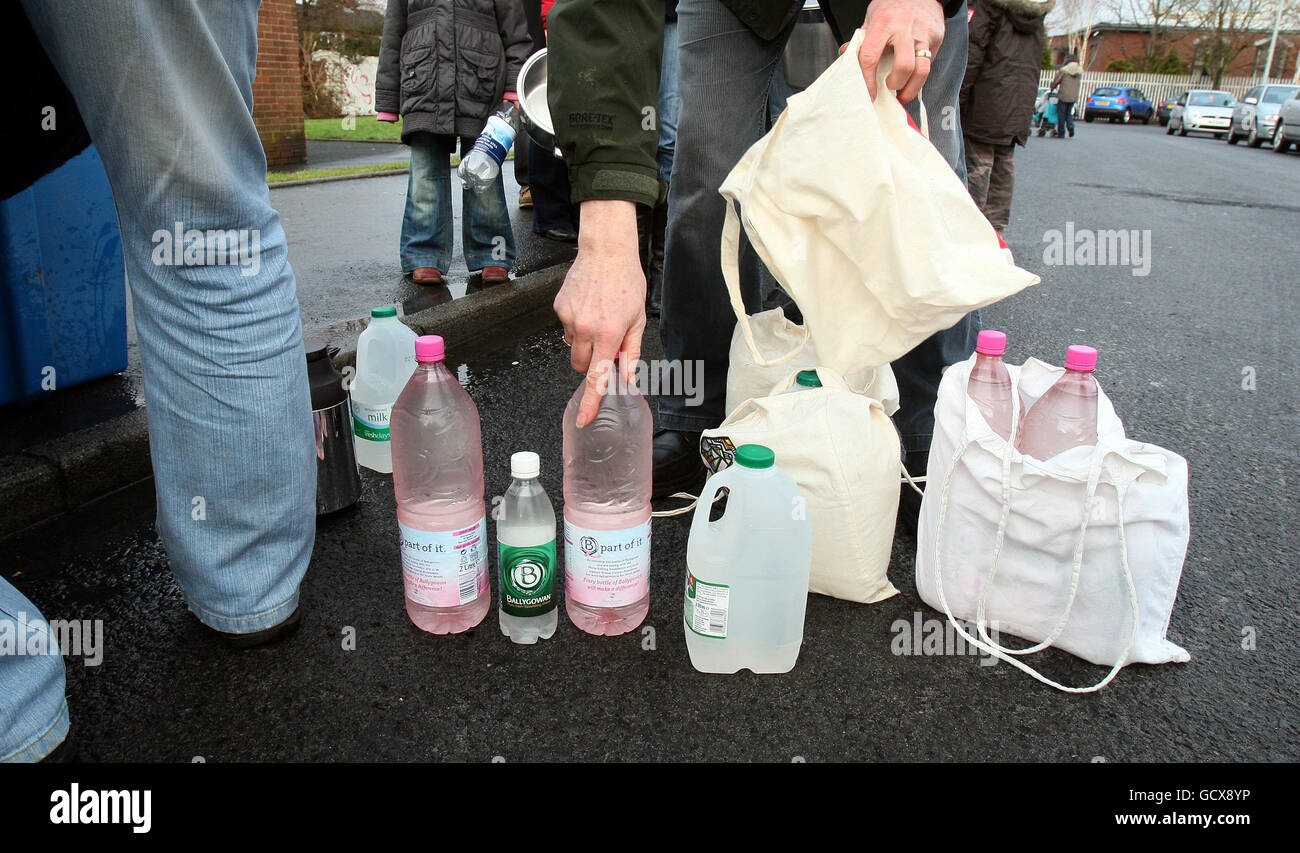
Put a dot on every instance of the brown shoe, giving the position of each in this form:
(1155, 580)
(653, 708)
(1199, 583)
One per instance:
(525, 198)
(426, 275)
(495, 275)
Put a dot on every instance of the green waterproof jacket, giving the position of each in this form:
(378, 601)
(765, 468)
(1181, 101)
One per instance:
(603, 83)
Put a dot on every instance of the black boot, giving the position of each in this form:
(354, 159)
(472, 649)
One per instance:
(677, 463)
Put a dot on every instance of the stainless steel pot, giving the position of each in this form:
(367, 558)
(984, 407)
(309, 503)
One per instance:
(811, 48)
(531, 88)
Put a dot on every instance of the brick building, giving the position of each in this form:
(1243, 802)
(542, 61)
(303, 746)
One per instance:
(1112, 42)
(277, 88)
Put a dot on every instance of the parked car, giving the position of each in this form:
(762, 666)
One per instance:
(1286, 131)
(1257, 112)
(1202, 111)
(1118, 103)
(1163, 110)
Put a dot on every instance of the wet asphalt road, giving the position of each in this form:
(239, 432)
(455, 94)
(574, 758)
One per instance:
(344, 238)
(1220, 298)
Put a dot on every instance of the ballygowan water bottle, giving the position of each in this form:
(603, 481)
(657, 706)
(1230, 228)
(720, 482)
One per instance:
(480, 166)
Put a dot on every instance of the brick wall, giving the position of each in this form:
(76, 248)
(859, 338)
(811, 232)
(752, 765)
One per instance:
(277, 88)
(1111, 45)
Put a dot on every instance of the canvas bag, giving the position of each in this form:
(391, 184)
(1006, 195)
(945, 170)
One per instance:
(842, 450)
(1064, 552)
(863, 223)
(785, 347)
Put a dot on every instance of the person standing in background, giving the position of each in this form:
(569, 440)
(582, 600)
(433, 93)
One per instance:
(445, 66)
(997, 97)
(1066, 83)
(533, 17)
(554, 215)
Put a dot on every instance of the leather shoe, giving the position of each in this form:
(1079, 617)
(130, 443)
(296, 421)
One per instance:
(677, 463)
(561, 235)
(266, 635)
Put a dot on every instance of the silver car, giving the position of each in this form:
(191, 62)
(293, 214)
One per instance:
(1257, 112)
(1286, 132)
(1201, 111)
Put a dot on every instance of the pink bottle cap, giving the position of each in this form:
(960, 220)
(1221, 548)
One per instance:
(991, 343)
(429, 348)
(1080, 358)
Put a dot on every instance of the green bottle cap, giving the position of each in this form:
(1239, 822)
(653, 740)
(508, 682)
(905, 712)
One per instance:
(755, 456)
(383, 311)
(808, 379)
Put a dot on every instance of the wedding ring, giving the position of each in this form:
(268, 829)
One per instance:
(924, 54)
(568, 343)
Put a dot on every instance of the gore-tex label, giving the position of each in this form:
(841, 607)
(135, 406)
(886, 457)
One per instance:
(606, 568)
(444, 569)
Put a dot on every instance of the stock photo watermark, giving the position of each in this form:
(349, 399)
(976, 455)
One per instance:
(71, 638)
(921, 637)
(656, 377)
(1089, 247)
(192, 247)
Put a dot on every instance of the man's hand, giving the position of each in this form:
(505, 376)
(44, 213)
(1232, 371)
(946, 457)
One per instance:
(908, 26)
(602, 302)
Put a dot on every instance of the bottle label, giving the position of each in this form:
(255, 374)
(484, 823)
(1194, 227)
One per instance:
(371, 422)
(496, 139)
(707, 607)
(444, 569)
(527, 579)
(606, 568)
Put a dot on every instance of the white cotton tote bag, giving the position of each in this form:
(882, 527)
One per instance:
(864, 224)
(1082, 552)
(842, 450)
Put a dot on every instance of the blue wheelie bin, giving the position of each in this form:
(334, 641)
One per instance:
(62, 282)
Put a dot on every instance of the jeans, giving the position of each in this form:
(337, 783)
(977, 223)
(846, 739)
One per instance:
(670, 102)
(726, 74)
(165, 88)
(1065, 117)
(486, 235)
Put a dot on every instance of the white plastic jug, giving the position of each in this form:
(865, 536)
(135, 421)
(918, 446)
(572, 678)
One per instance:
(385, 361)
(747, 572)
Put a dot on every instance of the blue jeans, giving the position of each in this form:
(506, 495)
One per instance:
(165, 87)
(1064, 117)
(486, 235)
(670, 102)
(726, 74)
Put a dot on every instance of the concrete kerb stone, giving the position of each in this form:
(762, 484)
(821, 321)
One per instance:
(72, 470)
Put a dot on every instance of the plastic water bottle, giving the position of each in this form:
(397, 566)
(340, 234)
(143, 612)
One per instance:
(385, 361)
(526, 555)
(747, 572)
(990, 384)
(607, 467)
(438, 480)
(1066, 415)
(480, 166)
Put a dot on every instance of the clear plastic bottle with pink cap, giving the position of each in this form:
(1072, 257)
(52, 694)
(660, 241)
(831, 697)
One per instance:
(1066, 415)
(438, 480)
(607, 466)
(990, 384)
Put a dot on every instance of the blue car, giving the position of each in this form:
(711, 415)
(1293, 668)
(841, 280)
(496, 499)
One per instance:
(1118, 103)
